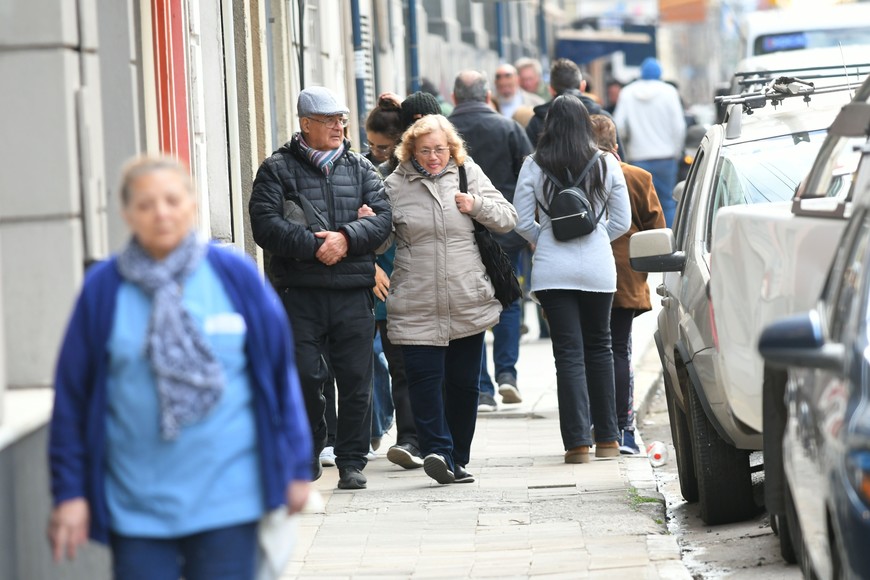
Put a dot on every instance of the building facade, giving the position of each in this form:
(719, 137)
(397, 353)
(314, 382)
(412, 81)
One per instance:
(87, 84)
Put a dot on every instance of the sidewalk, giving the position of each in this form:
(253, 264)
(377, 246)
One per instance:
(527, 514)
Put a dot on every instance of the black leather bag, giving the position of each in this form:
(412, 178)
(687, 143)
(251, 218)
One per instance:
(498, 265)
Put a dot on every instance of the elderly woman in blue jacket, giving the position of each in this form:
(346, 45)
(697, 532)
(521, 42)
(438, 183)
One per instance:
(178, 419)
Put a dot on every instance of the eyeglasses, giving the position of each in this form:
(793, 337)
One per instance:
(332, 122)
(439, 151)
(380, 148)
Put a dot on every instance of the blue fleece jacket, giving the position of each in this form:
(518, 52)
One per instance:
(77, 440)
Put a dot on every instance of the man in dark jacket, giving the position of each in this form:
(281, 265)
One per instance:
(320, 211)
(565, 78)
(499, 145)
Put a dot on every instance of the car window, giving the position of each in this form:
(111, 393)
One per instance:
(835, 166)
(762, 171)
(842, 291)
(689, 197)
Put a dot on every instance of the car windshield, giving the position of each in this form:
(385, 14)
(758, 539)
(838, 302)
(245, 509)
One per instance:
(764, 171)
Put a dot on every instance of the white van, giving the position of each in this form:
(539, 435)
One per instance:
(768, 31)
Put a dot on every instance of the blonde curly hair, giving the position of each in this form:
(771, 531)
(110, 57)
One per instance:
(426, 125)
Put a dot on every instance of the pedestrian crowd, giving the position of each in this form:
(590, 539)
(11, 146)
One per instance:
(194, 399)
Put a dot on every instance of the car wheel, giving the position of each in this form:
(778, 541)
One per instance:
(682, 446)
(724, 478)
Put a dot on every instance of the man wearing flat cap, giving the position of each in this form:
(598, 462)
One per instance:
(323, 266)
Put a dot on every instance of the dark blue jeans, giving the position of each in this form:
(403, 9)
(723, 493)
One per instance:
(620, 331)
(442, 384)
(506, 340)
(664, 174)
(382, 399)
(580, 331)
(223, 554)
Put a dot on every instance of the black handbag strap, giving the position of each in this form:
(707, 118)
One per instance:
(463, 187)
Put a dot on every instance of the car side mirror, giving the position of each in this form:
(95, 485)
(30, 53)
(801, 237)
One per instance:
(655, 251)
(798, 341)
(678, 190)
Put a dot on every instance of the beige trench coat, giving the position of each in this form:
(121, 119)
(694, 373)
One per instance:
(439, 289)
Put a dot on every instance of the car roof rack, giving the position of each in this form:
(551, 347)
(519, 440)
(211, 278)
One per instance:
(760, 77)
(774, 92)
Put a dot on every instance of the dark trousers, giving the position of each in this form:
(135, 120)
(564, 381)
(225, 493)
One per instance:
(222, 554)
(580, 331)
(442, 382)
(406, 431)
(340, 323)
(620, 333)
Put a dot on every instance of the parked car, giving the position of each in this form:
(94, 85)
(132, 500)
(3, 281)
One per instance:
(769, 140)
(779, 253)
(826, 439)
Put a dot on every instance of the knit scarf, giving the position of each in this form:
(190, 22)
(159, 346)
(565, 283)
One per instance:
(323, 160)
(423, 171)
(189, 377)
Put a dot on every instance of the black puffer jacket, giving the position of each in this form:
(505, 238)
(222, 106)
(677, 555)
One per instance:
(353, 181)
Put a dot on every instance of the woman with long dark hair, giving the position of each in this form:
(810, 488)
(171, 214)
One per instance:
(574, 280)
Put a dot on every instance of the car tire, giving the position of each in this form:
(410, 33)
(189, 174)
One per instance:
(724, 477)
(774, 419)
(682, 446)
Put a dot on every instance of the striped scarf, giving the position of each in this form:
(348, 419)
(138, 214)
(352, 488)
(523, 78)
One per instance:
(323, 160)
(422, 170)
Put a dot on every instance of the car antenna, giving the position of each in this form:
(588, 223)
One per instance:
(846, 70)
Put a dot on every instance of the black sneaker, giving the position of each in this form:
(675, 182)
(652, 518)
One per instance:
(507, 388)
(351, 478)
(436, 467)
(405, 455)
(462, 476)
(486, 403)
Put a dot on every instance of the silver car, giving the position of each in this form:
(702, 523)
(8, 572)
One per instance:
(767, 143)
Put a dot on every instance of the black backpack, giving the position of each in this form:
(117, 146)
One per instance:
(570, 210)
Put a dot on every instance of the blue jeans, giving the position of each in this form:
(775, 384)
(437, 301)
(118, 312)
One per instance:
(382, 400)
(223, 554)
(664, 174)
(580, 331)
(620, 333)
(506, 340)
(442, 384)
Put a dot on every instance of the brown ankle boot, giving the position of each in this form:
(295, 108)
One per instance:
(577, 454)
(607, 449)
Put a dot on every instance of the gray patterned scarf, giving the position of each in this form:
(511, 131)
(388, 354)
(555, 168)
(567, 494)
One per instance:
(189, 377)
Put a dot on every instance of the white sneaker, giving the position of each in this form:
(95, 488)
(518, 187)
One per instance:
(371, 454)
(327, 457)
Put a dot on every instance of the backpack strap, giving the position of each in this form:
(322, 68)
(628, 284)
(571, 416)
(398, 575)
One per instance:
(595, 157)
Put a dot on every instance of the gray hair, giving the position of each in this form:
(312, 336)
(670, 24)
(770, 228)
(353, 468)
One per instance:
(527, 62)
(470, 85)
(145, 165)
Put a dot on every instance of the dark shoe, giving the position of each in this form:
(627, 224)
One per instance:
(462, 476)
(627, 444)
(486, 403)
(510, 394)
(436, 467)
(316, 469)
(351, 478)
(376, 443)
(405, 455)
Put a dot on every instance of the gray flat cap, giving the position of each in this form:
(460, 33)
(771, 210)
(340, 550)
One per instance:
(319, 101)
